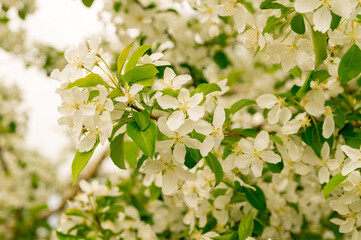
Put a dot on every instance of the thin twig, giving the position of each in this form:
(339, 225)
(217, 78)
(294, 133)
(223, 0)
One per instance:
(74, 190)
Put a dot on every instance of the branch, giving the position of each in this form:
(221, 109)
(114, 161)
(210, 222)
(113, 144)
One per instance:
(74, 190)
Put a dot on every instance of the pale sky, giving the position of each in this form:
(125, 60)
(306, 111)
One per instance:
(59, 23)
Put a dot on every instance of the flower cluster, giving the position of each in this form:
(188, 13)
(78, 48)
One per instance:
(254, 131)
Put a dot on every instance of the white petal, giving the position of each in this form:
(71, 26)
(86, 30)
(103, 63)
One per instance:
(261, 141)
(285, 115)
(303, 6)
(266, 101)
(87, 143)
(184, 175)
(257, 167)
(348, 226)
(167, 101)
(291, 127)
(180, 80)
(322, 19)
(163, 146)
(207, 145)
(135, 88)
(339, 207)
(342, 8)
(203, 127)
(328, 126)
(274, 114)
(349, 167)
(323, 175)
(352, 153)
(169, 183)
(325, 151)
(169, 74)
(196, 99)
(219, 117)
(179, 152)
(175, 120)
(195, 113)
(270, 156)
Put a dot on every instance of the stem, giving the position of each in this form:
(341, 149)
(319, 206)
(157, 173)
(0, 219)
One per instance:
(139, 110)
(110, 77)
(74, 190)
(106, 64)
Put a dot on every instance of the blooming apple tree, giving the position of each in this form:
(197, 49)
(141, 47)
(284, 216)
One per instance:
(233, 120)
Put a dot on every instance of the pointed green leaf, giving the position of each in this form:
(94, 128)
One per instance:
(134, 58)
(145, 140)
(90, 80)
(245, 228)
(193, 156)
(206, 88)
(350, 66)
(143, 75)
(241, 104)
(142, 118)
(215, 166)
(131, 153)
(333, 183)
(141, 161)
(298, 24)
(117, 151)
(256, 198)
(80, 161)
(123, 57)
(320, 46)
(88, 3)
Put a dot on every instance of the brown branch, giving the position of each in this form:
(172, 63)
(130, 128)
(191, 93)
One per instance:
(74, 190)
(139, 110)
(233, 134)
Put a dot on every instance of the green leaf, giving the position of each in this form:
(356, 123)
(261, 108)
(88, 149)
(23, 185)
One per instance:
(116, 92)
(298, 24)
(339, 117)
(333, 183)
(90, 80)
(88, 3)
(318, 76)
(276, 139)
(141, 161)
(313, 138)
(142, 118)
(131, 153)
(275, 167)
(229, 235)
(335, 21)
(62, 236)
(296, 71)
(80, 161)
(145, 140)
(215, 166)
(221, 59)
(270, 4)
(123, 57)
(206, 88)
(256, 198)
(134, 58)
(241, 104)
(143, 75)
(320, 46)
(245, 228)
(117, 151)
(155, 192)
(74, 212)
(350, 66)
(193, 156)
(271, 25)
